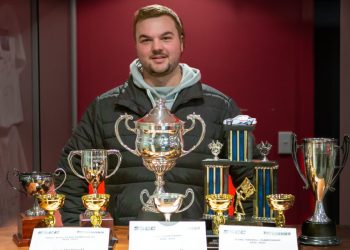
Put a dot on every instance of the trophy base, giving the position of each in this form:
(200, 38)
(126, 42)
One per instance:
(25, 227)
(212, 240)
(318, 234)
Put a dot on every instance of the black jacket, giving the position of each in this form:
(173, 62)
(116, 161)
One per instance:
(96, 130)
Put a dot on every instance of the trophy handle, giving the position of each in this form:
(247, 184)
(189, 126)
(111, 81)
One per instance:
(117, 153)
(146, 205)
(194, 117)
(116, 131)
(70, 157)
(14, 172)
(345, 150)
(295, 159)
(57, 173)
(188, 190)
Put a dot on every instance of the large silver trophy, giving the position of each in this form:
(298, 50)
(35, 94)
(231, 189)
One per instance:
(159, 142)
(321, 173)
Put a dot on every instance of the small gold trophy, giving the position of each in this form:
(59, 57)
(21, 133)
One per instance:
(243, 191)
(219, 203)
(50, 203)
(280, 203)
(94, 202)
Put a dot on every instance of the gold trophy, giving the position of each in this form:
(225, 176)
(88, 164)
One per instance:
(219, 203)
(51, 203)
(159, 141)
(243, 192)
(94, 166)
(319, 161)
(280, 203)
(94, 202)
(32, 184)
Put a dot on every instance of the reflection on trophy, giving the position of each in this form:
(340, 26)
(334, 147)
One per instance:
(32, 184)
(280, 203)
(94, 202)
(159, 141)
(319, 161)
(94, 165)
(243, 191)
(51, 203)
(219, 203)
(168, 203)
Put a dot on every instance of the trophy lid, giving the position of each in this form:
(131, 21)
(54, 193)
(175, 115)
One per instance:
(159, 114)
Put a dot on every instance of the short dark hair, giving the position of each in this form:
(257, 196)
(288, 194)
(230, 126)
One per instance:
(157, 10)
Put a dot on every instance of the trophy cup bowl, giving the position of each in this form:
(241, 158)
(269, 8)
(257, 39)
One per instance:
(94, 165)
(280, 203)
(320, 174)
(169, 203)
(51, 203)
(159, 142)
(219, 203)
(94, 202)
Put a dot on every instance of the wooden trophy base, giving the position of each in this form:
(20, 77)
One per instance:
(25, 227)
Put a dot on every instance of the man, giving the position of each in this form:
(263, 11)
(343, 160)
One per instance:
(156, 73)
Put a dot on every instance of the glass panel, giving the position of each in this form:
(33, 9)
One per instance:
(15, 101)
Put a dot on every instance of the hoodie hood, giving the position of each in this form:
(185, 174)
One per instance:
(190, 76)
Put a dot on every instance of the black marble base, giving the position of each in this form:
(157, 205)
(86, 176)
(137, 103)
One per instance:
(318, 234)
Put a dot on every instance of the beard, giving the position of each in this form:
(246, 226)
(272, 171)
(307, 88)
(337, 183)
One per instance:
(159, 73)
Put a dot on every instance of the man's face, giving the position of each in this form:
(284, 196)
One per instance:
(158, 46)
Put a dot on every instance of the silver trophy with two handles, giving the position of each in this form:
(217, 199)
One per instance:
(321, 173)
(159, 142)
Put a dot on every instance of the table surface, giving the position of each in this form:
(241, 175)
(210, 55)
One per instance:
(121, 232)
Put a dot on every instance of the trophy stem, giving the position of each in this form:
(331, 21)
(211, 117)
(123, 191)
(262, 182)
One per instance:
(319, 215)
(167, 217)
(159, 184)
(280, 219)
(50, 220)
(35, 210)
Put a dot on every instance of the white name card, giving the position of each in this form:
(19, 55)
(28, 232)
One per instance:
(257, 238)
(153, 235)
(69, 238)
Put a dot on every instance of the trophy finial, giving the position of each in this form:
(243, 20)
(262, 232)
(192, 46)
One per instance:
(264, 148)
(215, 147)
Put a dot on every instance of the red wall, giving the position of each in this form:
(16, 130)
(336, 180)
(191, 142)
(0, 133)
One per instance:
(258, 52)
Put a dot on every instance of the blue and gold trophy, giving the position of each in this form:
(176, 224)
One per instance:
(265, 184)
(216, 176)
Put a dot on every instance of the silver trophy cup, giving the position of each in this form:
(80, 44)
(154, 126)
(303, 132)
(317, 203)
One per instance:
(35, 184)
(320, 156)
(168, 203)
(159, 142)
(94, 165)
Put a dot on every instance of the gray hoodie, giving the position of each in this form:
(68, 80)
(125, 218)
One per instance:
(190, 76)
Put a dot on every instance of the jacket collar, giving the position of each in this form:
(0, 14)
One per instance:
(136, 99)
